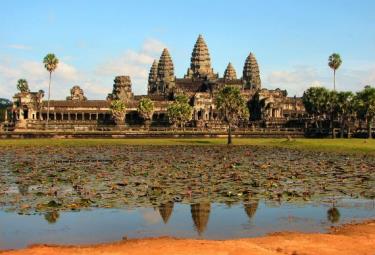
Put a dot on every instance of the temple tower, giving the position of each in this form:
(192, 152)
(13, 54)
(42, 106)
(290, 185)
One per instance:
(76, 94)
(122, 89)
(251, 76)
(230, 73)
(152, 77)
(165, 73)
(200, 66)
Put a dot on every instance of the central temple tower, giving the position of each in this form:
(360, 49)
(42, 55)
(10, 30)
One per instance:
(200, 66)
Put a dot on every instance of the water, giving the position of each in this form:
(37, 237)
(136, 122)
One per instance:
(205, 220)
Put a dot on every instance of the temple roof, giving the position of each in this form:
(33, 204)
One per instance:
(71, 103)
(190, 85)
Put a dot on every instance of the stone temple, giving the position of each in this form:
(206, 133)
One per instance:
(268, 108)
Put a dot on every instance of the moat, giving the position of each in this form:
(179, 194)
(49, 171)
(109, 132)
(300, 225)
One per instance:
(92, 194)
(224, 221)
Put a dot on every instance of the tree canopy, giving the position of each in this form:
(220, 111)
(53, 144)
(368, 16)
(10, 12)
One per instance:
(365, 106)
(232, 107)
(50, 62)
(146, 108)
(23, 86)
(334, 61)
(180, 111)
(118, 110)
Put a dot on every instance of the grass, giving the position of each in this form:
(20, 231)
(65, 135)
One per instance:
(332, 145)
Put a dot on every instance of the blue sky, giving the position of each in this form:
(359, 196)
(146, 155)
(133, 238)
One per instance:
(97, 40)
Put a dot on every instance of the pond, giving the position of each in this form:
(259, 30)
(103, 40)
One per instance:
(203, 220)
(103, 193)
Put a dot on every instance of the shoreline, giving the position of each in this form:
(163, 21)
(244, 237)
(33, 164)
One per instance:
(351, 238)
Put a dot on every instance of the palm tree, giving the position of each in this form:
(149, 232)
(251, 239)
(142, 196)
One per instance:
(334, 62)
(146, 110)
(331, 110)
(23, 86)
(316, 102)
(118, 110)
(365, 106)
(50, 63)
(345, 107)
(232, 107)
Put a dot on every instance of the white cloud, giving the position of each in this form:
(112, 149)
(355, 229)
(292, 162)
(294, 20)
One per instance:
(152, 45)
(299, 78)
(37, 77)
(19, 47)
(96, 83)
(136, 64)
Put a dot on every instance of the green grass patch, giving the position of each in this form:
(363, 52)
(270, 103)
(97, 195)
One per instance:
(332, 145)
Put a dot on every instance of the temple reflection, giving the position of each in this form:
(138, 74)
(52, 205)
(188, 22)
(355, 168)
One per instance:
(200, 213)
(251, 208)
(333, 215)
(165, 211)
(52, 217)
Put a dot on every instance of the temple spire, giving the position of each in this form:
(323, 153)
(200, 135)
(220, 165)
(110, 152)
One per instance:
(165, 72)
(230, 73)
(152, 77)
(200, 65)
(251, 76)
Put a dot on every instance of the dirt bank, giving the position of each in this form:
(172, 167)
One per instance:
(349, 239)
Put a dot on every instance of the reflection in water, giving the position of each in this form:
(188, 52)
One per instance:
(165, 211)
(251, 208)
(211, 220)
(333, 215)
(200, 213)
(51, 217)
(229, 204)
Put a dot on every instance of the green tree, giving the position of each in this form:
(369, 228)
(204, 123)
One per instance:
(345, 109)
(23, 86)
(146, 110)
(332, 106)
(4, 104)
(365, 106)
(118, 110)
(315, 100)
(232, 107)
(334, 62)
(180, 111)
(50, 62)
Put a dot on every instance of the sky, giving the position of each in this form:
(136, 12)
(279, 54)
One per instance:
(98, 40)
